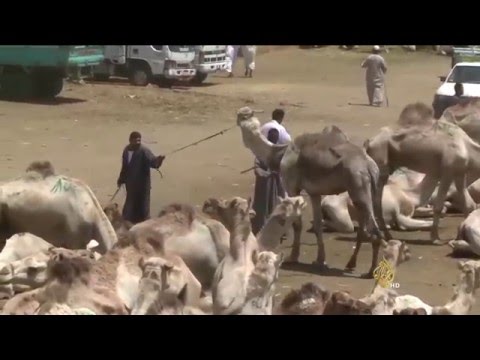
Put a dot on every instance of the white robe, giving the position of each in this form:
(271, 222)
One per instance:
(249, 52)
(232, 51)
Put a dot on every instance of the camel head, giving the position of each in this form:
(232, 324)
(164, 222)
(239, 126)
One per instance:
(267, 267)
(42, 168)
(469, 279)
(113, 212)
(343, 303)
(229, 211)
(459, 112)
(290, 208)
(244, 114)
(310, 299)
(162, 285)
(66, 266)
(396, 252)
(410, 311)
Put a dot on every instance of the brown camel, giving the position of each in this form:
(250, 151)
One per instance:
(70, 281)
(322, 163)
(442, 151)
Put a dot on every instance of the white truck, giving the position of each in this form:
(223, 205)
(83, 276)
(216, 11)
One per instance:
(465, 70)
(209, 59)
(144, 64)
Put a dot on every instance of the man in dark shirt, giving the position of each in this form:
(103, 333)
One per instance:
(137, 160)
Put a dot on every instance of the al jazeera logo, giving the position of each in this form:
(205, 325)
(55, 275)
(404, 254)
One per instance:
(384, 275)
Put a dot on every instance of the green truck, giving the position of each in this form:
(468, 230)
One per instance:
(34, 71)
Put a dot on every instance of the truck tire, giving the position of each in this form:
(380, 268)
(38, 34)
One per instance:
(139, 76)
(15, 84)
(199, 78)
(47, 85)
(101, 77)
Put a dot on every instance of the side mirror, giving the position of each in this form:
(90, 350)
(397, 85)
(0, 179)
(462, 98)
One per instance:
(442, 78)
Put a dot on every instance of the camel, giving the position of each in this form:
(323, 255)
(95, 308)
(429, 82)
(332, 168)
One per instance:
(442, 151)
(201, 242)
(163, 280)
(30, 271)
(70, 281)
(398, 205)
(466, 115)
(467, 242)
(279, 222)
(59, 209)
(230, 283)
(261, 284)
(322, 163)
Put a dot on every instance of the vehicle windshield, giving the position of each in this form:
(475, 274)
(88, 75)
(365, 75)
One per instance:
(181, 48)
(465, 74)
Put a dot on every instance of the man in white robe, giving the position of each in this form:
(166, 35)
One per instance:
(249, 52)
(375, 77)
(232, 51)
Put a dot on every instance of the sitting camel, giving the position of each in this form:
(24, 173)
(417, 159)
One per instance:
(442, 151)
(70, 282)
(29, 272)
(323, 163)
(61, 210)
(467, 242)
(201, 242)
(398, 205)
(163, 280)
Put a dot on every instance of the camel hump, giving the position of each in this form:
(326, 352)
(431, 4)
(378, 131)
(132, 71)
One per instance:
(187, 212)
(335, 132)
(416, 114)
(44, 168)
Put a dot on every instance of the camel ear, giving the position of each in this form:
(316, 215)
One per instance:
(167, 267)
(182, 296)
(115, 206)
(461, 264)
(366, 144)
(141, 263)
(255, 257)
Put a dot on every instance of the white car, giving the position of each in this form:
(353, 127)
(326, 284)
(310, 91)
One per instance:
(466, 73)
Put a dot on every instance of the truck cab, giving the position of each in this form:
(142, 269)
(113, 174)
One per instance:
(209, 59)
(465, 70)
(144, 64)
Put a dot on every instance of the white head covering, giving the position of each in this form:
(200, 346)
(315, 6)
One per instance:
(376, 48)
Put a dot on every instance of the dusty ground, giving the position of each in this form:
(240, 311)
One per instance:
(83, 134)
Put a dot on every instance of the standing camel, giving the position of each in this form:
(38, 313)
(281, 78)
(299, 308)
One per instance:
(440, 150)
(322, 163)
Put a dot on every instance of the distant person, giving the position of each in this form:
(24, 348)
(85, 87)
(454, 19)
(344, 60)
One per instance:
(249, 52)
(268, 187)
(137, 160)
(276, 123)
(232, 53)
(375, 77)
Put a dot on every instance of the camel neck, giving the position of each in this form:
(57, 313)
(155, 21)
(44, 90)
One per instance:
(474, 159)
(271, 233)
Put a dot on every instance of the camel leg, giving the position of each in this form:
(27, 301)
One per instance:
(466, 201)
(297, 233)
(428, 185)
(361, 236)
(438, 203)
(378, 196)
(462, 248)
(317, 226)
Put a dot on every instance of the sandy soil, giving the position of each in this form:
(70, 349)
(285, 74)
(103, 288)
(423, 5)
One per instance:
(84, 131)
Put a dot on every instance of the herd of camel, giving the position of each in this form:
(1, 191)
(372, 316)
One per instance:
(64, 253)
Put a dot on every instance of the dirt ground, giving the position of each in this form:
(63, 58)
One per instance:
(84, 131)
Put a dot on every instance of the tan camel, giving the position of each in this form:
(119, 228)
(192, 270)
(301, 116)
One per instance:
(466, 115)
(398, 205)
(323, 163)
(279, 222)
(61, 210)
(201, 242)
(70, 281)
(467, 242)
(30, 272)
(163, 279)
(442, 151)
(230, 283)
(261, 284)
